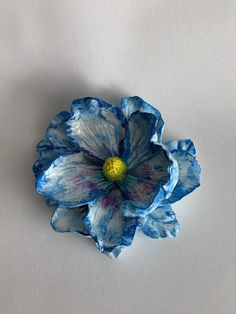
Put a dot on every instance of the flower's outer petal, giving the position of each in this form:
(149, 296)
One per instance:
(189, 169)
(70, 219)
(48, 155)
(51, 202)
(185, 145)
(44, 162)
(132, 104)
(56, 132)
(97, 127)
(56, 143)
(89, 104)
(107, 225)
(138, 141)
(43, 147)
(161, 223)
(72, 180)
(148, 184)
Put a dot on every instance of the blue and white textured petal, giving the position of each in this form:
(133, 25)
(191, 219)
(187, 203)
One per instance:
(132, 104)
(88, 104)
(97, 127)
(185, 145)
(138, 141)
(73, 180)
(44, 162)
(107, 225)
(56, 132)
(161, 223)
(56, 143)
(189, 169)
(148, 184)
(70, 219)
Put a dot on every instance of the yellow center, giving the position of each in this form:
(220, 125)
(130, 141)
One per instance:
(114, 169)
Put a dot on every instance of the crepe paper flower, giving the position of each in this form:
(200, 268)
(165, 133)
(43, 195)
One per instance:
(108, 174)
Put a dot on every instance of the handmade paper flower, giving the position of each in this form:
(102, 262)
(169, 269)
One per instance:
(105, 169)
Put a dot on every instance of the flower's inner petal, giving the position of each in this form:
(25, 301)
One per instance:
(97, 129)
(106, 224)
(189, 173)
(146, 185)
(73, 180)
(141, 130)
(133, 104)
(70, 219)
(161, 223)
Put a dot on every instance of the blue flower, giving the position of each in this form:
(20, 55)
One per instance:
(107, 172)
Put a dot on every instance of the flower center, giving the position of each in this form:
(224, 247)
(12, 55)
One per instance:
(114, 168)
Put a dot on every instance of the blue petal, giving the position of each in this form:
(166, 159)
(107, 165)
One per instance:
(56, 132)
(107, 225)
(97, 127)
(189, 169)
(70, 220)
(89, 104)
(186, 145)
(133, 104)
(45, 161)
(56, 143)
(148, 184)
(72, 180)
(138, 141)
(51, 202)
(161, 223)
(43, 146)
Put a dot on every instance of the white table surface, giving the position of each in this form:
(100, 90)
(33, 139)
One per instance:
(180, 56)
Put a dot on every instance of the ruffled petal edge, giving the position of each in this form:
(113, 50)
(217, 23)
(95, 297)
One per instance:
(132, 104)
(161, 223)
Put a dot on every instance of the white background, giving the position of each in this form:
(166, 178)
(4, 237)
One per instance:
(180, 56)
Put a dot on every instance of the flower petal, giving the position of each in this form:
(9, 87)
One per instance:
(70, 219)
(133, 104)
(186, 145)
(148, 184)
(73, 180)
(141, 130)
(161, 223)
(97, 127)
(107, 225)
(44, 162)
(56, 143)
(189, 169)
(56, 132)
